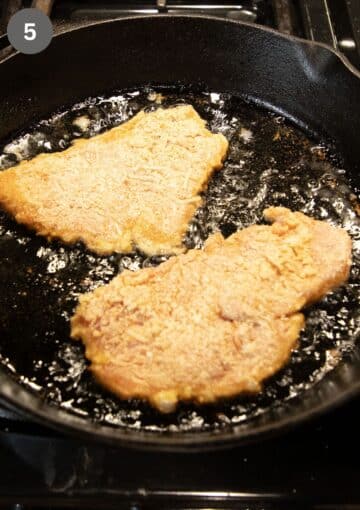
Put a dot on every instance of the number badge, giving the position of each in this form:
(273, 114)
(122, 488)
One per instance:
(30, 31)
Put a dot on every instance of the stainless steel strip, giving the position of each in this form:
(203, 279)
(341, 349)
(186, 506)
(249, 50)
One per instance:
(230, 11)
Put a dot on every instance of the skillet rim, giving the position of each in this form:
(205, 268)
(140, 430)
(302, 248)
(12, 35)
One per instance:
(62, 421)
(60, 31)
(18, 398)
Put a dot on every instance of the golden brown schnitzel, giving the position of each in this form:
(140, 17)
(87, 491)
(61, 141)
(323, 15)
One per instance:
(216, 322)
(136, 185)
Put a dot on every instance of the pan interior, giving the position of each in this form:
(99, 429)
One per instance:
(270, 162)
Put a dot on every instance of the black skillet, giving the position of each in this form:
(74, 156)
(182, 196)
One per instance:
(308, 83)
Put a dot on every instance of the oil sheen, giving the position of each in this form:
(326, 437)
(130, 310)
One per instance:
(270, 162)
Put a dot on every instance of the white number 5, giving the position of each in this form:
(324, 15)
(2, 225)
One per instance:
(29, 31)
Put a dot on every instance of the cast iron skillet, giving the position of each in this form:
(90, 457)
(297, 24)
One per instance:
(306, 82)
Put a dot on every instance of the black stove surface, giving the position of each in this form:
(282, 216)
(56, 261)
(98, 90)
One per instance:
(315, 466)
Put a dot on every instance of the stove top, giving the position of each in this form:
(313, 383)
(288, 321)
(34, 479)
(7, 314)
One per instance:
(315, 466)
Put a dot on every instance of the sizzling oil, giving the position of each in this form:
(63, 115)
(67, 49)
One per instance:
(269, 163)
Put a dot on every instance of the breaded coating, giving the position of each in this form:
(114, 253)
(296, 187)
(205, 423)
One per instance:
(216, 322)
(136, 185)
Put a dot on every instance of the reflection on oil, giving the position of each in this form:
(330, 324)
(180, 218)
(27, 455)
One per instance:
(269, 163)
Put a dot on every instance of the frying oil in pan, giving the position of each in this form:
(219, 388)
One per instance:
(269, 163)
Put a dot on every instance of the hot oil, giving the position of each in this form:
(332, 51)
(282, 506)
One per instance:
(269, 163)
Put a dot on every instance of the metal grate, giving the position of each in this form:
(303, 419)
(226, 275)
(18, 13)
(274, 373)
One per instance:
(333, 22)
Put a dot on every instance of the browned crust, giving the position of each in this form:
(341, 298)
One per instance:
(250, 315)
(30, 193)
